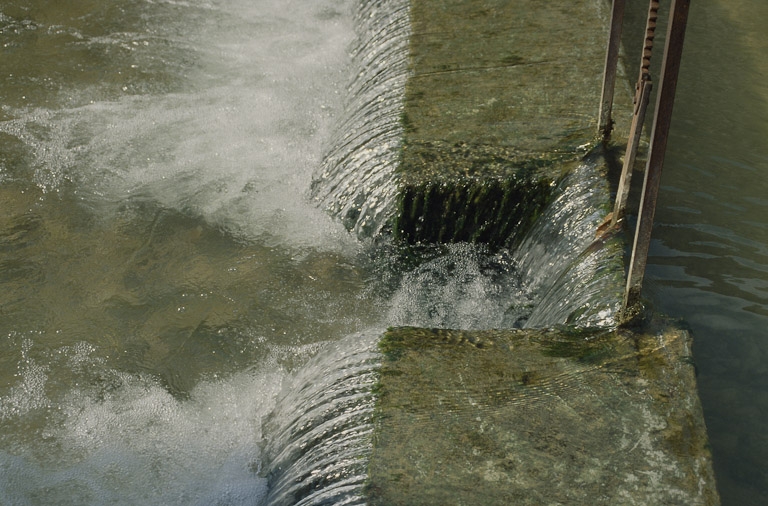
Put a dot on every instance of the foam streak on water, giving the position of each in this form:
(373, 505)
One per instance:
(248, 98)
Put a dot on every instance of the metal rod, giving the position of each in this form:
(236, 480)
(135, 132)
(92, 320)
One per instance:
(605, 122)
(650, 33)
(635, 133)
(673, 51)
(642, 96)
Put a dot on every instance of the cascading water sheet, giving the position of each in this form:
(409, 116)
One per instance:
(570, 261)
(321, 430)
(357, 182)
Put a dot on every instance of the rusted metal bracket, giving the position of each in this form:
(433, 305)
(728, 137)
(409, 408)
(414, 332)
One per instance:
(673, 50)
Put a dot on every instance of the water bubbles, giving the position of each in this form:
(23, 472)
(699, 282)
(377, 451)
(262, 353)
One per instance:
(29, 394)
(463, 286)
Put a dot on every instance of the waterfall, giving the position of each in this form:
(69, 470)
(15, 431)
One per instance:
(569, 268)
(320, 433)
(174, 307)
(356, 180)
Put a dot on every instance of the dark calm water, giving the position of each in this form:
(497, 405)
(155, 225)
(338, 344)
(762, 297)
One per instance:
(709, 258)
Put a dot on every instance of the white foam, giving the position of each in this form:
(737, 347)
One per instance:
(239, 147)
(465, 287)
(137, 444)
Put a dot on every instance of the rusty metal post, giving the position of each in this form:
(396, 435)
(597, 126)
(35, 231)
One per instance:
(642, 96)
(673, 51)
(605, 122)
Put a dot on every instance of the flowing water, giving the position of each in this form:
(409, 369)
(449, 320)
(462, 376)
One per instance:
(166, 273)
(356, 181)
(182, 323)
(162, 269)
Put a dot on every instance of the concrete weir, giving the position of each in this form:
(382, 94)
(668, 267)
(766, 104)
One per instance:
(539, 417)
(501, 96)
(501, 102)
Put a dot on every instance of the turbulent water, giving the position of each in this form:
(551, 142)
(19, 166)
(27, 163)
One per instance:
(162, 269)
(166, 275)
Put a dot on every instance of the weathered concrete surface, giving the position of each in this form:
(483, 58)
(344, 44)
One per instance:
(501, 96)
(539, 417)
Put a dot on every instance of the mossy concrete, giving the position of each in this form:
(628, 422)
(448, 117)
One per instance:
(501, 98)
(539, 417)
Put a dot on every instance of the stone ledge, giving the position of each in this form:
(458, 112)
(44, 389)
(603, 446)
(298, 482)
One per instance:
(539, 417)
